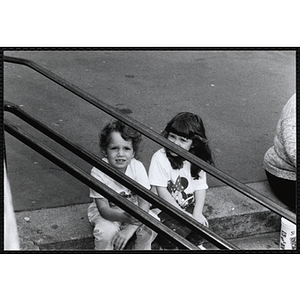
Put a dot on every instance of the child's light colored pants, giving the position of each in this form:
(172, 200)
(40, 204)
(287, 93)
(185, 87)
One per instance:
(105, 230)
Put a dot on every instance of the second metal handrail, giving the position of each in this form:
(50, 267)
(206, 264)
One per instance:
(106, 168)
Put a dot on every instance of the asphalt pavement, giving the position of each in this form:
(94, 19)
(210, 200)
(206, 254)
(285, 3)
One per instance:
(238, 94)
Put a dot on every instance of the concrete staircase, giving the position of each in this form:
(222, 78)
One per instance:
(231, 215)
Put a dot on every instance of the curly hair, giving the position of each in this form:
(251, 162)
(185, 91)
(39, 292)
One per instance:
(127, 133)
(191, 127)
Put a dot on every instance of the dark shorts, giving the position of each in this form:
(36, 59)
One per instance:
(179, 228)
(284, 189)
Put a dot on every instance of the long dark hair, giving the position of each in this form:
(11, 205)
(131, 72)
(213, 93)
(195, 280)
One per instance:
(190, 126)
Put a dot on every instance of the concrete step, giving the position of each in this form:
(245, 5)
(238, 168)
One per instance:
(265, 241)
(233, 215)
(230, 214)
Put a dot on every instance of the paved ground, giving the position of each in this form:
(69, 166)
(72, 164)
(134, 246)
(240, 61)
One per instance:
(239, 95)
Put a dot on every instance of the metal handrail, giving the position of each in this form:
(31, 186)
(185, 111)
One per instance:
(237, 185)
(112, 172)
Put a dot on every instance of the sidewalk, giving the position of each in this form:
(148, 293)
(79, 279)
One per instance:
(231, 215)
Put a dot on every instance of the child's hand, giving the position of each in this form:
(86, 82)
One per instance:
(127, 218)
(202, 220)
(188, 213)
(122, 237)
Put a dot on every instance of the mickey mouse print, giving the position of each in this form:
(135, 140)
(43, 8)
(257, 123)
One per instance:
(177, 191)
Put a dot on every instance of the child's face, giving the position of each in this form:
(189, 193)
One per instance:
(119, 152)
(181, 141)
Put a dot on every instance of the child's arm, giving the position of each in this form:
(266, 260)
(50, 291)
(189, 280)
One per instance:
(113, 214)
(163, 192)
(122, 237)
(132, 227)
(143, 204)
(199, 205)
(125, 234)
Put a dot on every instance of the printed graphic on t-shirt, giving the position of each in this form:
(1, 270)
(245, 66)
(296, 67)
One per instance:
(177, 191)
(128, 195)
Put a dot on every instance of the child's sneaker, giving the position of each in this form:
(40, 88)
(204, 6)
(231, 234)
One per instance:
(168, 249)
(201, 247)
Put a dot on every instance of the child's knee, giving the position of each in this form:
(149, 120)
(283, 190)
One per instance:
(144, 233)
(103, 233)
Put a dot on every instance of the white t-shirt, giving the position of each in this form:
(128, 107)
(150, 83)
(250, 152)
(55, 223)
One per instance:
(135, 170)
(179, 183)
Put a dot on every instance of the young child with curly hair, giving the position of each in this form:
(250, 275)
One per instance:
(113, 227)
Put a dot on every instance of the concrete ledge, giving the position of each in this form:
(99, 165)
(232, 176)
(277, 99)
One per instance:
(230, 214)
(265, 241)
(54, 227)
(233, 215)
